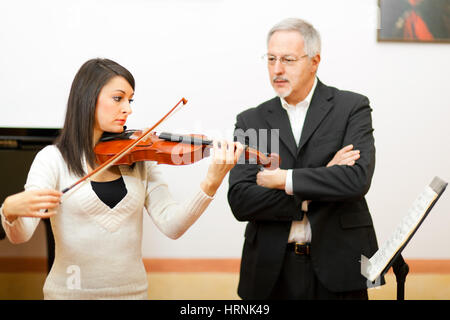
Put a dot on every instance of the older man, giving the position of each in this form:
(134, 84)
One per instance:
(308, 222)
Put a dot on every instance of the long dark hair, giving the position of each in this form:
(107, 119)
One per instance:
(75, 140)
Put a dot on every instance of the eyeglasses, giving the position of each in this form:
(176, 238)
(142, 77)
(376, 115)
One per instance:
(286, 60)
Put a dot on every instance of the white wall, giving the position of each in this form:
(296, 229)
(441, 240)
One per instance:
(209, 52)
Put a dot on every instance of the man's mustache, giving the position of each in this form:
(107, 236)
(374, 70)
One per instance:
(279, 78)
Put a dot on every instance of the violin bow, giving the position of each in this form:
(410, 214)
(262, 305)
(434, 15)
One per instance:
(125, 150)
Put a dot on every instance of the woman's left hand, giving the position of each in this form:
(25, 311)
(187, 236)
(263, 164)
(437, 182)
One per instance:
(225, 156)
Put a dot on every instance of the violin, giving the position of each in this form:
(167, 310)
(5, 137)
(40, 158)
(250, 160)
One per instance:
(135, 145)
(168, 148)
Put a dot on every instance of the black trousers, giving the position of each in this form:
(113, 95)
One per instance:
(298, 281)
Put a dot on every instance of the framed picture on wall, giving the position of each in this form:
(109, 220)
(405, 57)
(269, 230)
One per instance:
(414, 20)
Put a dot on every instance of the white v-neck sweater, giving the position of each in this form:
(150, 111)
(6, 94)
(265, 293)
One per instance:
(99, 245)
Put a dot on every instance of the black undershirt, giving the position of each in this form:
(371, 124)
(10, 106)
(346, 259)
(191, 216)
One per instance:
(110, 192)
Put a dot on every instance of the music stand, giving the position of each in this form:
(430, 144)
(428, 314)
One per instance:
(389, 255)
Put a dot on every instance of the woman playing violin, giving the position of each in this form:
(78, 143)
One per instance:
(98, 225)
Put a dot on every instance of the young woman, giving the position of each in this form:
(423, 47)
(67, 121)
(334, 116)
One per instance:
(98, 225)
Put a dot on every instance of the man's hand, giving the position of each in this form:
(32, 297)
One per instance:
(276, 179)
(345, 156)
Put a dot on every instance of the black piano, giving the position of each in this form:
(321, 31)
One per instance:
(18, 147)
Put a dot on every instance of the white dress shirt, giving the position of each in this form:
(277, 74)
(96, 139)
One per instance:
(300, 230)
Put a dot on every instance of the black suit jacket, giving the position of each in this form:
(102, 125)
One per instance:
(340, 221)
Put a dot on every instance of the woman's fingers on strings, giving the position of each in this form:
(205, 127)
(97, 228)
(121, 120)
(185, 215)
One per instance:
(215, 145)
(226, 152)
(234, 151)
(230, 152)
(239, 148)
(216, 150)
(224, 148)
(220, 152)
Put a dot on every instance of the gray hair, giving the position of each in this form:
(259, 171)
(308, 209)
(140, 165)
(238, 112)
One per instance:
(311, 36)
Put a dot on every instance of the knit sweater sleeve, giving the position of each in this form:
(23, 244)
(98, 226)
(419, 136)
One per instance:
(42, 175)
(171, 217)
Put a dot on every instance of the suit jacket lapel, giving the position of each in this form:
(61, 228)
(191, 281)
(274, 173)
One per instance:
(277, 118)
(320, 106)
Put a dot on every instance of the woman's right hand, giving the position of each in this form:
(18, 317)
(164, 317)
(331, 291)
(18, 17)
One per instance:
(32, 203)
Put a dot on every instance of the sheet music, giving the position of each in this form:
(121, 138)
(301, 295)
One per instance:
(372, 268)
